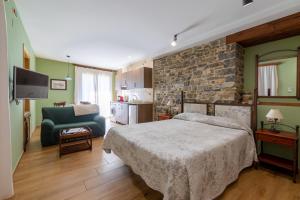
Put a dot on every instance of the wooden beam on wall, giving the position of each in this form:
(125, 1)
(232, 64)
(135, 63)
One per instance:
(278, 29)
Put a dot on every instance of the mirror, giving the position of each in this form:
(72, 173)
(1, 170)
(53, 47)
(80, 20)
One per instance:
(277, 77)
(277, 74)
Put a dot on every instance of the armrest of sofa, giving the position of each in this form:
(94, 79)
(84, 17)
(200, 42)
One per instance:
(48, 123)
(101, 122)
(47, 132)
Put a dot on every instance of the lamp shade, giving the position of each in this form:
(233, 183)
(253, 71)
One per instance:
(274, 114)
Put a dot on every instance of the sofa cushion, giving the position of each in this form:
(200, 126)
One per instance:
(65, 115)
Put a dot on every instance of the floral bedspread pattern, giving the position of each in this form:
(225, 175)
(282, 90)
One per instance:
(191, 157)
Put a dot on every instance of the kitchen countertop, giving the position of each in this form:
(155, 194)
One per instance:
(132, 103)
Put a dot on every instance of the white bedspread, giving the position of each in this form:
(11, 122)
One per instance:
(189, 158)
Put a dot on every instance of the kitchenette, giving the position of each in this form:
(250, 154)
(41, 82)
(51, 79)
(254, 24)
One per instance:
(134, 103)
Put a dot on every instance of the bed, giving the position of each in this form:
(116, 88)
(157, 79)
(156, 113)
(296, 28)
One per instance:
(190, 157)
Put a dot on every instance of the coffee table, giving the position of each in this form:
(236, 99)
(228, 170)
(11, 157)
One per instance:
(75, 139)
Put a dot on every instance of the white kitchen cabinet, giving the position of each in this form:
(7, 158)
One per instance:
(121, 115)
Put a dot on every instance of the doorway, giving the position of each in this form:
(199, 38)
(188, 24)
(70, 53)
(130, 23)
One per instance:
(26, 102)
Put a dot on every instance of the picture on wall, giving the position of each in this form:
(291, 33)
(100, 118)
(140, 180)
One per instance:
(58, 84)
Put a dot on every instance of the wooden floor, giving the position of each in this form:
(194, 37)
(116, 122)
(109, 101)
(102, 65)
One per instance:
(41, 174)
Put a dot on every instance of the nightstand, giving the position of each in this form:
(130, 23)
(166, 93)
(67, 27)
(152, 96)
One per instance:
(164, 117)
(287, 139)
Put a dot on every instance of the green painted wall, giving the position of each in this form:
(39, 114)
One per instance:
(291, 114)
(17, 37)
(55, 70)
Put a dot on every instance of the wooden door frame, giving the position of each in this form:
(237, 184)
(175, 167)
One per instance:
(26, 55)
(26, 65)
(26, 103)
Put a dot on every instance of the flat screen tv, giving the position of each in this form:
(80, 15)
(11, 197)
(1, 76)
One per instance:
(29, 84)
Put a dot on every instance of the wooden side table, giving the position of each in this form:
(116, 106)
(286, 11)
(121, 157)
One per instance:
(284, 138)
(75, 139)
(164, 117)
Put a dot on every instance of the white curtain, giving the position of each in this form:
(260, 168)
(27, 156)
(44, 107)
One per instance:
(267, 79)
(94, 86)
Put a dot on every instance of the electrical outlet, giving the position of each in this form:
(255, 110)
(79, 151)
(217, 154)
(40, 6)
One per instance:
(290, 89)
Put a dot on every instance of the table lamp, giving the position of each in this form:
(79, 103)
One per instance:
(274, 115)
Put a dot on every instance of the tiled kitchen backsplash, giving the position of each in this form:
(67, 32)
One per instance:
(143, 94)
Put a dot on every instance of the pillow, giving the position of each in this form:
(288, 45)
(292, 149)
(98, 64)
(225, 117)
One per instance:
(189, 116)
(213, 120)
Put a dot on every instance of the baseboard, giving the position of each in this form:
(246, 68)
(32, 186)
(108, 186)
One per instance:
(15, 167)
(8, 197)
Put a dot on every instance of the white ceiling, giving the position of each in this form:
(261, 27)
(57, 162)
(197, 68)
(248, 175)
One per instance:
(115, 33)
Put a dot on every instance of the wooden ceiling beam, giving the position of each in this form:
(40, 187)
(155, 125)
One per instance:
(278, 29)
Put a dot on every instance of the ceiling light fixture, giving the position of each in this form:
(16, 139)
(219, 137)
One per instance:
(174, 42)
(68, 77)
(194, 25)
(247, 2)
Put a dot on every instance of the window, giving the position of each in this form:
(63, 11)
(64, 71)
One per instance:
(94, 86)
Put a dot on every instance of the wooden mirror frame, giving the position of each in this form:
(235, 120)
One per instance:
(257, 58)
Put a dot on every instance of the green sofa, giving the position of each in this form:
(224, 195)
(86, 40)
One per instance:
(58, 118)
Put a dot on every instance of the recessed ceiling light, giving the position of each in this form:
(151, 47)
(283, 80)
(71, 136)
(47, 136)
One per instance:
(247, 2)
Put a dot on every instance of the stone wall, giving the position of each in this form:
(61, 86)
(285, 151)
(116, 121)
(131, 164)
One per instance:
(208, 73)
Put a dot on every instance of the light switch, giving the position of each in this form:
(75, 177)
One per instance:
(290, 89)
